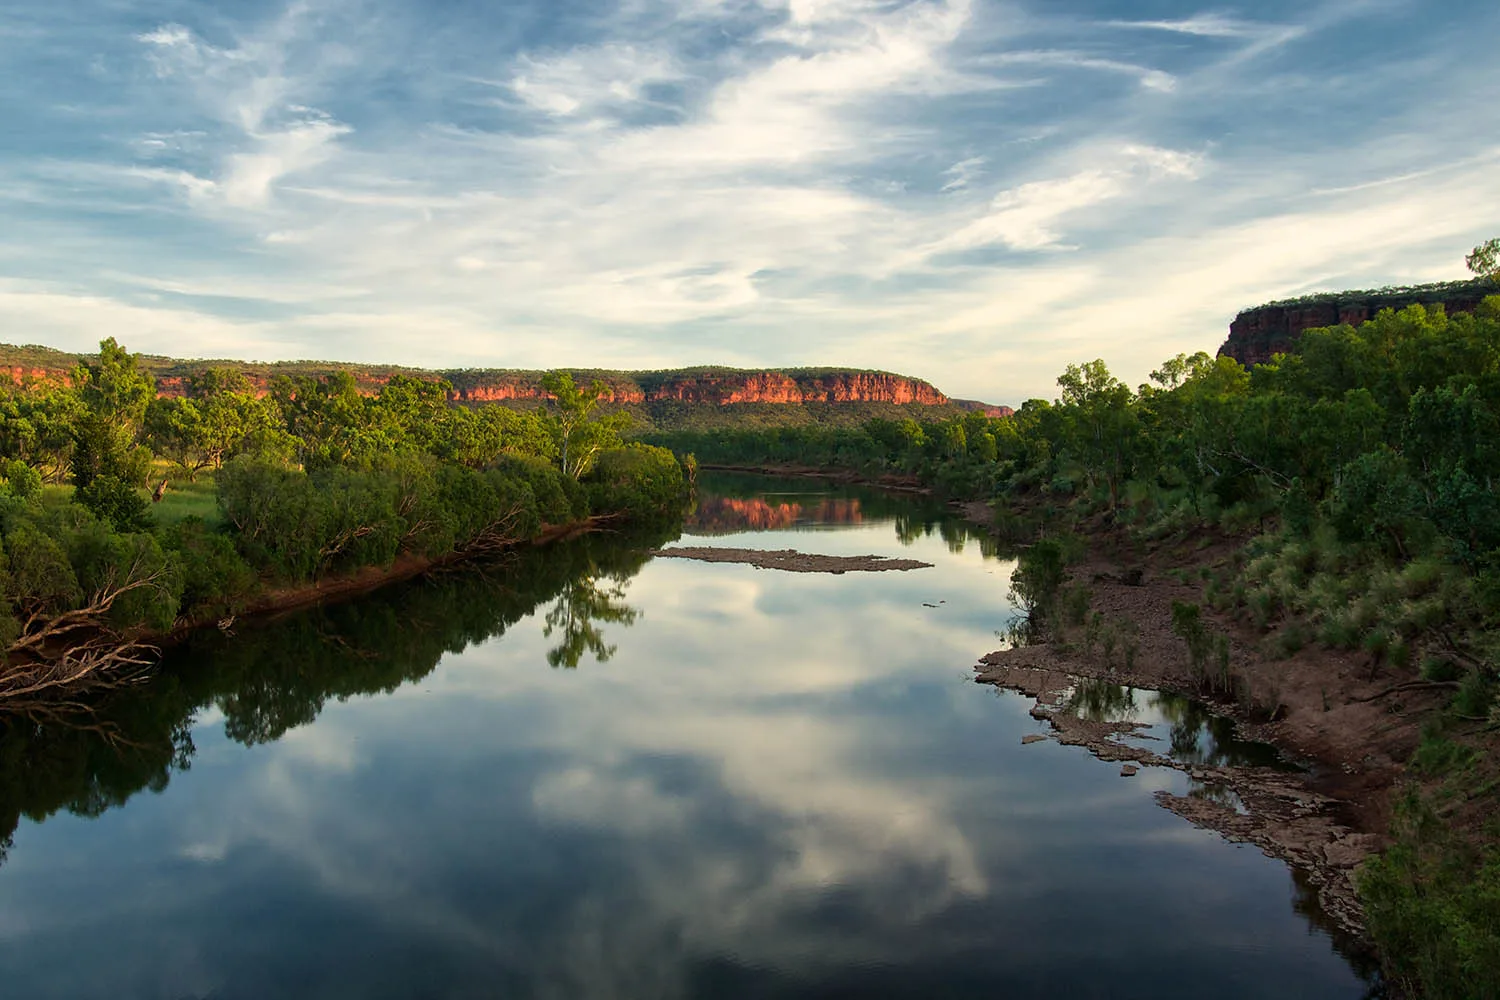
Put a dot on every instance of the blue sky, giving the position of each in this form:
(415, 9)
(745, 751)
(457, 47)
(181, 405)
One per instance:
(971, 191)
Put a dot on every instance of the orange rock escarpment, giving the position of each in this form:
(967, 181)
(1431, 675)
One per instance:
(716, 388)
(1256, 335)
(711, 387)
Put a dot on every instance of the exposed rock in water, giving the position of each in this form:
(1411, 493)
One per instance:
(791, 560)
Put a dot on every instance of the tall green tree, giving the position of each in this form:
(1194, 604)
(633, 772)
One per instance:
(1101, 424)
(580, 432)
(115, 394)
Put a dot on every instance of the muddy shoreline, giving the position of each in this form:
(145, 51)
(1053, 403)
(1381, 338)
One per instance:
(1326, 709)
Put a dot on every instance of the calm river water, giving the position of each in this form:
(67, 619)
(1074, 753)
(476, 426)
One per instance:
(590, 774)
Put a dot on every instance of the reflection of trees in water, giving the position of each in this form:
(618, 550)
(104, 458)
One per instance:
(913, 525)
(276, 675)
(1199, 736)
(1101, 701)
(584, 604)
(1361, 958)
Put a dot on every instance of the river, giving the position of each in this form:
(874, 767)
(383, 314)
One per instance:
(589, 773)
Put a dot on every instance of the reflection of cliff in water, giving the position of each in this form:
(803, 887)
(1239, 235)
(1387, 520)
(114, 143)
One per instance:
(276, 675)
(731, 515)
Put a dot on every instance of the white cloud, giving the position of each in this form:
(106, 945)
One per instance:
(962, 173)
(248, 177)
(585, 81)
(1146, 76)
(252, 91)
(1028, 217)
(1208, 26)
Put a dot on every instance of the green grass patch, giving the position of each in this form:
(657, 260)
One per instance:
(184, 499)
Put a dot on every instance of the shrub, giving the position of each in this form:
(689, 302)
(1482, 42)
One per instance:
(20, 481)
(640, 481)
(116, 501)
(216, 580)
(1433, 908)
(559, 499)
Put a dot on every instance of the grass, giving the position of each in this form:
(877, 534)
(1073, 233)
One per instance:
(56, 496)
(185, 499)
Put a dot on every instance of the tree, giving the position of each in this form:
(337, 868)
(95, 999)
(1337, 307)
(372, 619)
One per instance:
(106, 436)
(1102, 423)
(1484, 260)
(580, 436)
(36, 427)
(176, 429)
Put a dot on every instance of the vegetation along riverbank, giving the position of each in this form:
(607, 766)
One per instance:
(1313, 543)
(266, 501)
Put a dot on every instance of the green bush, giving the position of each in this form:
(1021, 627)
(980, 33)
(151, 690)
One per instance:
(640, 481)
(116, 501)
(20, 481)
(558, 498)
(216, 579)
(64, 559)
(1432, 903)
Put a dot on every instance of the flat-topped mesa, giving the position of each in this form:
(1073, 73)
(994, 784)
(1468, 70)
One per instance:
(1257, 334)
(714, 388)
(695, 386)
(724, 388)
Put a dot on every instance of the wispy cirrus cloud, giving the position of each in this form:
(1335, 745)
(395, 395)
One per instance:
(924, 185)
(253, 92)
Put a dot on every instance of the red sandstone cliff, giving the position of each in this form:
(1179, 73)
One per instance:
(1257, 334)
(712, 387)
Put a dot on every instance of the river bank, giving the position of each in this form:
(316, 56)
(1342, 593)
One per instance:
(1351, 727)
(367, 579)
(126, 655)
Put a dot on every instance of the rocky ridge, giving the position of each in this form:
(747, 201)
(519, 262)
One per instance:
(1257, 334)
(693, 386)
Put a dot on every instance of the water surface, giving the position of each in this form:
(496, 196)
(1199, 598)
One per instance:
(588, 774)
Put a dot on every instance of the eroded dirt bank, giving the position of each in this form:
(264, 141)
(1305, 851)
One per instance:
(1353, 727)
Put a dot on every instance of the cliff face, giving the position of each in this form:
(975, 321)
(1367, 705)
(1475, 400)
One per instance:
(697, 387)
(1257, 334)
(717, 389)
(722, 389)
(23, 375)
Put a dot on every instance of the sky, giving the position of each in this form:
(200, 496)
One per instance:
(974, 192)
